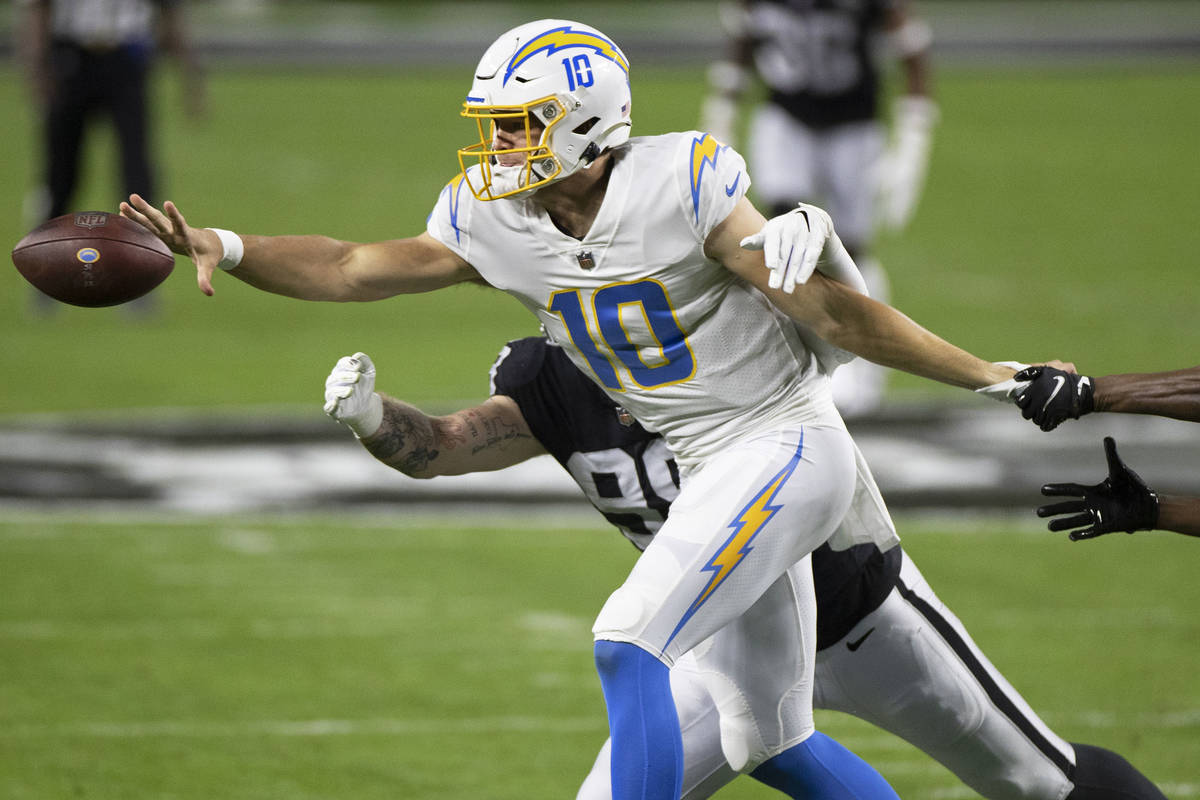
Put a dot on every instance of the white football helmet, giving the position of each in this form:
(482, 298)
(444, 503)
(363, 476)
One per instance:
(565, 77)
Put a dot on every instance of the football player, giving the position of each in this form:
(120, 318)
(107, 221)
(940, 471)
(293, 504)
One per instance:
(820, 134)
(646, 262)
(888, 650)
(1121, 502)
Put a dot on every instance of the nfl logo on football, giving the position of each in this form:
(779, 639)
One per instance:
(91, 219)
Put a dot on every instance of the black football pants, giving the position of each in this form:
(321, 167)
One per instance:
(88, 83)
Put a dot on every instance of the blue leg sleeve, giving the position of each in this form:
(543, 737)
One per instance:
(647, 748)
(821, 769)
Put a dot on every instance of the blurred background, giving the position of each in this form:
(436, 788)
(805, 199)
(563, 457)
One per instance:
(1058, 221)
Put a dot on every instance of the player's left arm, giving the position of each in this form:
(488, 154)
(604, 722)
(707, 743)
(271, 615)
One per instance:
(174, 39)
(848, 319)
(1179, 514)
(914, 116)
(32, 47)
(490, 436)
(730, 77)
(910, 39)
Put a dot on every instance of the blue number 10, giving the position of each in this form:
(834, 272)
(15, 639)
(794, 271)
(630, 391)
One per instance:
(579, 71)
(650, 299)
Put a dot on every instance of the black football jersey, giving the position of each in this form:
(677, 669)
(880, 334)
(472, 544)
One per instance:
(630, 476)
(818, 57)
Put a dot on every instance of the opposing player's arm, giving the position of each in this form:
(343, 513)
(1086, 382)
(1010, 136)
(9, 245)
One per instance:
(309, 267)
(910, 39)
(489, 436)
(1179, 514)
(848, 319)
(1173, 394)
(1056, 392)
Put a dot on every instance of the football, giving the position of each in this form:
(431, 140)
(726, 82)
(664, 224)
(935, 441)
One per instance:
(93, 259)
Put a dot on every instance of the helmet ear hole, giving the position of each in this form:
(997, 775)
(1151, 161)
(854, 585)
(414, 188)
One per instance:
(585, 126)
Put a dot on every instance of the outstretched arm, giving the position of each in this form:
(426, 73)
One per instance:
(307, 267)
(846, 318)
(173, 35)
(904, 165)
(1173, 394)
(1053, 395)
(489, 436)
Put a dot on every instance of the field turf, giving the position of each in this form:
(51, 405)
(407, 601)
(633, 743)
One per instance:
(363, 658)
(1058, 222)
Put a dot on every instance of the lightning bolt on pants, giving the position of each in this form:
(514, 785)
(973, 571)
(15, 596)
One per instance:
(731, 561)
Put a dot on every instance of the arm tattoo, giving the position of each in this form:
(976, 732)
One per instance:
(478, 430)
(422, 446)
(405, 441)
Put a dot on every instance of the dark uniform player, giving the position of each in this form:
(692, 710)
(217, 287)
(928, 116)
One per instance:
(889, 651)
(819, 137)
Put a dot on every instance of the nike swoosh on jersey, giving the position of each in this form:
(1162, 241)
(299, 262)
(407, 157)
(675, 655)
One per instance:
(731, 188)
(1059, 381)
(857, 643)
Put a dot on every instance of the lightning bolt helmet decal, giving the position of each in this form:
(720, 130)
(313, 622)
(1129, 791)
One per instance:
(562, 38)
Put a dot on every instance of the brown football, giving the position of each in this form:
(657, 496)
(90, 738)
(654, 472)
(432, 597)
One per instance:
(93, 258)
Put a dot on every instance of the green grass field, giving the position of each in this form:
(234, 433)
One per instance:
(1058, 222)
(362, 658)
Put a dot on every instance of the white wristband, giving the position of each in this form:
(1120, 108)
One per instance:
(232, 247)
(370, 421)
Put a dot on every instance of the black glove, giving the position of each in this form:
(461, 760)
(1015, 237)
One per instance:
(1123, 502)
(1053, 395)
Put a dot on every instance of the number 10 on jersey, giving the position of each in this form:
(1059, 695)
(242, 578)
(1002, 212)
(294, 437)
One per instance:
(611, 306)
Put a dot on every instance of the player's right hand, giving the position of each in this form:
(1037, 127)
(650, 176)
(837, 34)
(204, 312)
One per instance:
(792, 244)
(199, 244)
(1122, 502)
(1053, 395)
(350, 395)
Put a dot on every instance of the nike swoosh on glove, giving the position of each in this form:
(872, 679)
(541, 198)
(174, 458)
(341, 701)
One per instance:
(1052, 396)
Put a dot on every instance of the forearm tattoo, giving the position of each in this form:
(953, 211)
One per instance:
(421, 446)
(477, 430)
(405, 440)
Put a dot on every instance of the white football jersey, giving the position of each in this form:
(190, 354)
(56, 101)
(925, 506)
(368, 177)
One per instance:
(689, 348)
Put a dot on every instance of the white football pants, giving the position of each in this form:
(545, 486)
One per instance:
(913, 671)
(731, 563)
